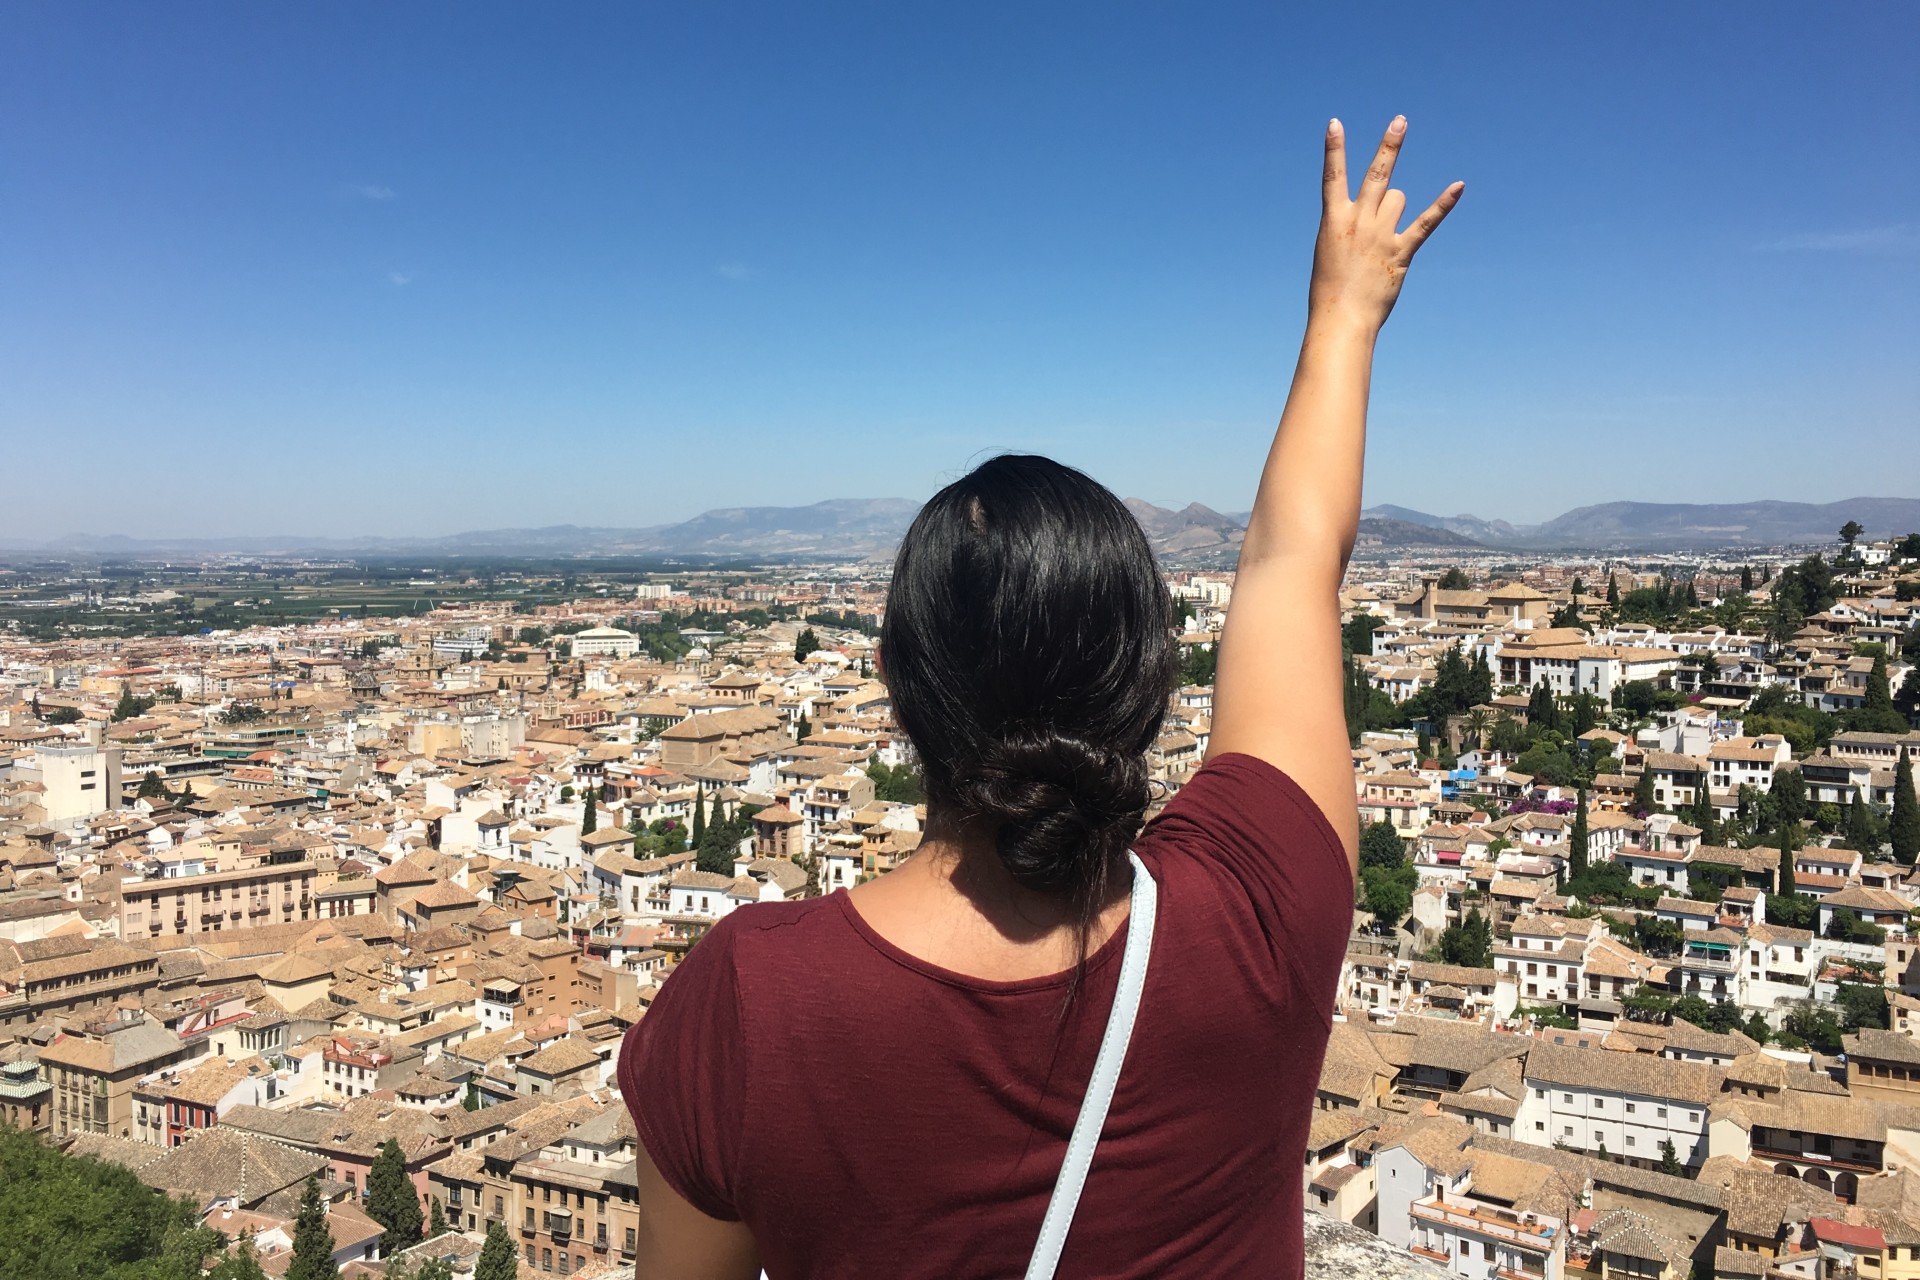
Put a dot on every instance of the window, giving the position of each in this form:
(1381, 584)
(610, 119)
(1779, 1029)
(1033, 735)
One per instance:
(1629, 1108)
(1566, 1097)
(1566, 1131)
(1539, 1093)
(1540, 1125)
(1661, 1112)
(1629, 1139)
(529, 1217)
(546, 1259)
(1693, 1117)
(529, 1255)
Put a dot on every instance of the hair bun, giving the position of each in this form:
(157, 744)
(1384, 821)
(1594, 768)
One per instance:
(1065, 808)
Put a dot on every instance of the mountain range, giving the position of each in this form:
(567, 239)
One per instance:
(866, 528)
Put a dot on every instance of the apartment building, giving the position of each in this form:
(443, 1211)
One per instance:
(94, 1071)
(1624, 1105)
(279, 890)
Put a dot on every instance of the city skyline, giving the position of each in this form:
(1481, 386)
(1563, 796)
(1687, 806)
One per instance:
(361, 272)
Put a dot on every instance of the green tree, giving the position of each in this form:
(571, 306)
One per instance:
(392, 1200)
(1904, 828)
(1860, 833)
(1468, 943)
(1877, 714)
(590, 821)
(1789, 796)
(805, 645)
(65, 1218)
(715, 846)
(1577, 841)
(1381, 846)
(152, 788)
(129, 706)
(436, 1220)
(312, 1241)
(243, 1263)
(804, 730)
(1643, 793)
(1613, 592)
(497, 1259)
(1784, 877)
(1849, 534)
(471, 1102)
(1542, 711)
(699, 815)
(1455, 579)
(1389, 891)
(1746, 577)
(1670, 1159)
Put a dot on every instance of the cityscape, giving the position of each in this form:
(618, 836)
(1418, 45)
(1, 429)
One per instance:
(322, 879)
(463, 458)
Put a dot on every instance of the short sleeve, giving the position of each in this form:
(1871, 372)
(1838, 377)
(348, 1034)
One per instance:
(683, 1072)
(1271, 839)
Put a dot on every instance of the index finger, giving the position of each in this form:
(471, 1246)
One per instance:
(1380, 172)
(1333, 180)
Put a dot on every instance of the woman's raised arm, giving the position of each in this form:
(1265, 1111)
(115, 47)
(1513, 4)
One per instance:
(1278, 692)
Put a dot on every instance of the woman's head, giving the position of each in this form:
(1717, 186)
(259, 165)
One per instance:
(1029, 653)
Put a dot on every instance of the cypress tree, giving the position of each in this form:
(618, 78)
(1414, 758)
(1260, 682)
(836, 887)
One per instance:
(1860, 835)
(805, 645)
(1704, 819)
(1879, 715)
(699, 815)
(1905, 826)
(392, 1200)
(1613, 592)
(1542, 713)
(312, 1241)
(1643, 796)
(1746, 577)
(591, 822)
(437, 1220)
(497, 1260)
(1577, 842)
(1786, 861)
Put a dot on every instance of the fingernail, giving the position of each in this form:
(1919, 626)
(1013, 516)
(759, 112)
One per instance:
(1399, 125)
(1333, 125)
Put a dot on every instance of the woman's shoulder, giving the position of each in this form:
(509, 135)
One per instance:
(760, 934)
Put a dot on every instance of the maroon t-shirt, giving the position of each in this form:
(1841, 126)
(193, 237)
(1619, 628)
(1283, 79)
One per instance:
(866, 1113)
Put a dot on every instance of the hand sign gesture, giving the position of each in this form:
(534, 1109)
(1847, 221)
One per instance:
(1361, 257)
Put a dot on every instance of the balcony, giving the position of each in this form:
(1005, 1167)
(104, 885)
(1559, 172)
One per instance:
(1534, 1236)
(560, 1227)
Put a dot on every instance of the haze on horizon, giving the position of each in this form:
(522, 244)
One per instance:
(407, 271)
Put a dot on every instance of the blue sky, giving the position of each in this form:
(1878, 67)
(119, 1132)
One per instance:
(394, 269)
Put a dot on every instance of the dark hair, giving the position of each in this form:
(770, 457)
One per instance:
(1028, 649)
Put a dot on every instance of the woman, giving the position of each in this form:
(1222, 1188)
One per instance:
(882, 1082)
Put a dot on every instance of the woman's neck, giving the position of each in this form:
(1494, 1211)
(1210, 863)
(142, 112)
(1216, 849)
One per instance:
(955, 905)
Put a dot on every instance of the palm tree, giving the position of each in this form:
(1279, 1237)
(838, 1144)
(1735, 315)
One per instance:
(1475, 725)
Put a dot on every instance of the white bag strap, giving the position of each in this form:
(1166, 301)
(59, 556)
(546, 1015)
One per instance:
(1106, 1073)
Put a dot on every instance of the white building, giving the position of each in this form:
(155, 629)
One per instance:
(1628, 1104)
(81, 779)
(605, 642)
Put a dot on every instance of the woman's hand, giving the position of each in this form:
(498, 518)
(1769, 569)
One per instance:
(1361, 257)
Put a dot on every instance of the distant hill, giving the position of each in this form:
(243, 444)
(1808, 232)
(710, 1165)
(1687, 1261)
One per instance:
(1473, 528)
(1192, 530)
(1682, 525)
(1377, 531)
(865, 528)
